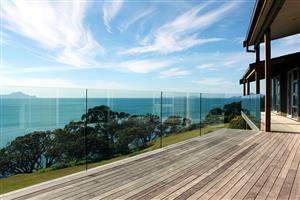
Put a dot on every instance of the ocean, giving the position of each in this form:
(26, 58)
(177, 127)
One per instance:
(23, 116)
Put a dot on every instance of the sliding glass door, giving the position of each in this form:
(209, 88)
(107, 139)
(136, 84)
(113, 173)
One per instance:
(293, 93)
(276, 94)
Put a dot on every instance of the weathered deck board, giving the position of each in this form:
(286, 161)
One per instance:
(233, 173)
(226, 164)
(226, 185)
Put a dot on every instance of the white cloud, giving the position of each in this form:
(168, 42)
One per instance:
(169, 45)
(30, 70)
(182, 32)
(135, 18)
(143, 66)
(207, 66)
(216, 81)
(218, 85)
(222, 61)
(4, 38)
(174, 72)
(110, 10)
(56, 27)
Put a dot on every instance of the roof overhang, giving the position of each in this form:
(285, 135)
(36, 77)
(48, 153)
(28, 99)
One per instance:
(276, 63)
(281, 16)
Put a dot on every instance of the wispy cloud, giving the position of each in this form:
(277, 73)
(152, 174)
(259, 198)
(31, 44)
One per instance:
(174, 72)
(143, 66)
(57, 28)
(30, 70)
(182, 33)
(212, 81)
(110, 10)
(207, 66)
(4, 38)
(135, 18)
(218, 85)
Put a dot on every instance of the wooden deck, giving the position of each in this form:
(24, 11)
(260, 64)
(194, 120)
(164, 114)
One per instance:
(226, 164)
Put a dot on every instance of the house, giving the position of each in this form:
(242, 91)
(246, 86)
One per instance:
(271, 20)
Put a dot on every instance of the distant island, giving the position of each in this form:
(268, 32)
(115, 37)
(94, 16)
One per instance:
(17, 95)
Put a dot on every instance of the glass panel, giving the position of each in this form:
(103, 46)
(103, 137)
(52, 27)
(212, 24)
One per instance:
(181, 116)
(212, 112)
(295, 100)
(68, 130)
(41, 131)
(232, 109)
(121, 124)
(252, 108)
(295, 87)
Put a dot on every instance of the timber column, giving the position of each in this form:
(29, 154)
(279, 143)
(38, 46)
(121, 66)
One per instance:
(267, 40)
(257, 80)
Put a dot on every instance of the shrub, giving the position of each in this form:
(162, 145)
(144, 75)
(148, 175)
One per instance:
(237, 122)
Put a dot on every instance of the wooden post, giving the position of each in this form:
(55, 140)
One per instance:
(298, 94)
(257, 81)
(267, 39)
(257, 53)
(248, 87)
(244, 91)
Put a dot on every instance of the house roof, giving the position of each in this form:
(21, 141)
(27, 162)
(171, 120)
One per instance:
(282, 16)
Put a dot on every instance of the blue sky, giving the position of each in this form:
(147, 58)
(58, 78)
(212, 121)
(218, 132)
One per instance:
(191, 46)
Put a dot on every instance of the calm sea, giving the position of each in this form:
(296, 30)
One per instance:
(22, 116)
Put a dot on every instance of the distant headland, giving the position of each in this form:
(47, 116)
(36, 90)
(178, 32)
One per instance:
(16, 95)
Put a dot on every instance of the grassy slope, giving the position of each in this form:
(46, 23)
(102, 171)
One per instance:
(23, 180)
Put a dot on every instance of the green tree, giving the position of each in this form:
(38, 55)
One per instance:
(106, 123)
(5, 164)
(137, 132)
(231, 111)
(26, 153)
(69, 143)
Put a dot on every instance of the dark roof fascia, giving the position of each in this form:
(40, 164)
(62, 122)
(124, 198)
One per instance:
(255, 14)
(272, 13)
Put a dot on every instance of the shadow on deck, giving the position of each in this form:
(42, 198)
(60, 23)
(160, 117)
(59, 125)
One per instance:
(226, 164)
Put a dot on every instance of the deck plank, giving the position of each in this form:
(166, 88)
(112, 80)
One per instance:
(289, 180)
(264, 169)
(253, 192)
(211, 188)
(295, 193)
(173, 188)
(266, 158)
(274, 192)
(225, 185)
